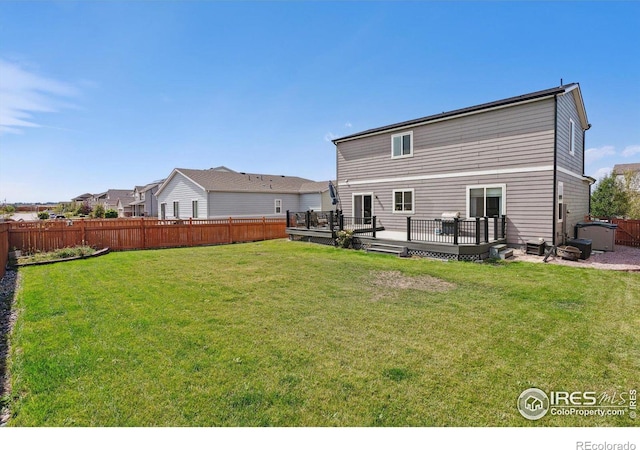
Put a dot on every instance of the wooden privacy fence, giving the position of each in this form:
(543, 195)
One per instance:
(628, 232)
(130, 234)
(4, 247)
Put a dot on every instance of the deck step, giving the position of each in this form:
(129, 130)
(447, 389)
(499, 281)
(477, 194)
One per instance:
(398, 250)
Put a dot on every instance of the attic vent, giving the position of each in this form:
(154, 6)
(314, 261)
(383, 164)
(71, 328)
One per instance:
(243, 173)
(282, 176)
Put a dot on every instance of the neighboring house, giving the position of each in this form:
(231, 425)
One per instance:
(118, 199)
(221, 192)
(522, 157)
(145, 203)
(633, 169)
(82, 198)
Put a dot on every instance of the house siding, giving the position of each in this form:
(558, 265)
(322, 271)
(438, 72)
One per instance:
(514, 139)
(184, 191)
(250, 204)
(311, 201)
(576, 190)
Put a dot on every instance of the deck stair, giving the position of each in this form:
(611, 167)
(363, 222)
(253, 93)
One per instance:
(389, 249)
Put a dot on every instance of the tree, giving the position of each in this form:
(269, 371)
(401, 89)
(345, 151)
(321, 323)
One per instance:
(631, 184)
(84, 209)
(98, 211)
(609, 199)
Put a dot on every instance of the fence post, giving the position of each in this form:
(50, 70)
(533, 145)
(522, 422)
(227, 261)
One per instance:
(374, 226)
(495, 228)
(331, 222)
(486, 229)
(477, 230)
(264, 228)
(456, 229)
(230, 230)
(189, 233)
(83, 231)
(408, 228)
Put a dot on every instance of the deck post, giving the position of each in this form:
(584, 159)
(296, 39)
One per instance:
(331, 222)
(408, 228)
(374, 226)
(288, 221)
(495, 228)
(456, 229)
(340, 222)
(504, 226)
(307, 219)
(477, 230)
(486, 229)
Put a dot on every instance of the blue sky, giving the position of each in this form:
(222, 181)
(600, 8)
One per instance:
(98, 95)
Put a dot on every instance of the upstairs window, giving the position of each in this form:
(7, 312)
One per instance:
(402, 145)
(572, 137)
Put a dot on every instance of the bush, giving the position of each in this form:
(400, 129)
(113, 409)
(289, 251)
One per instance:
(84, 209)
(98, 212)
(111, 214)
(43, 215)
(344, 239)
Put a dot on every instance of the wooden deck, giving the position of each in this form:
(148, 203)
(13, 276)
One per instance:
(465, 250)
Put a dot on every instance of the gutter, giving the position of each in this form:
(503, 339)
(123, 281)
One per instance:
(554, 209)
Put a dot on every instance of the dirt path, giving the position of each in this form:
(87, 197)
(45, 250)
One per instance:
(623, 258)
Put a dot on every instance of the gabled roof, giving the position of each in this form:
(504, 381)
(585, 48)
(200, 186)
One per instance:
(82, 197)
(214, 180)
(620, 169)
(573, 88)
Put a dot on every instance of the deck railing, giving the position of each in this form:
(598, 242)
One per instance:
(332, 221)
(479, 230)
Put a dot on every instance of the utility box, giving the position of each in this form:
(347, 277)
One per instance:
(601, 234)
(584, 245)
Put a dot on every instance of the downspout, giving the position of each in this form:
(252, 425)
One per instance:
(555, 168)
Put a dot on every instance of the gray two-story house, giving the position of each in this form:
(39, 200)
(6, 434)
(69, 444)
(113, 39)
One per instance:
(520, 159)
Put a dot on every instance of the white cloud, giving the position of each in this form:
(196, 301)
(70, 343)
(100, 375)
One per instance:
(631, 150)
(594, 154)
(348, 125)
(24, 94)
(602, 172)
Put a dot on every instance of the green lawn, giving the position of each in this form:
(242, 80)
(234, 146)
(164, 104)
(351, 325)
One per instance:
(285, 333)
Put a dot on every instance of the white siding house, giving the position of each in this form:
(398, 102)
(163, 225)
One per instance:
(220, 193)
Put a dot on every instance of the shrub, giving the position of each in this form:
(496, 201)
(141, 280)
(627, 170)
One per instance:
(43, 215)
(111, 214)
(344, 239)
(98, 212)
(84, 209)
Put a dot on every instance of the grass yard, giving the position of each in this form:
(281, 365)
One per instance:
(285, 333)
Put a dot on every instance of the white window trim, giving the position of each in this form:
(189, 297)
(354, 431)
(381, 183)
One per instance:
(276, 206)
(410, 155)
(560, 201)
(572, 137)
(195, 212)
(353, 202)
(176, 209)
(413, 201)
(503, 202)
(160, 211)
